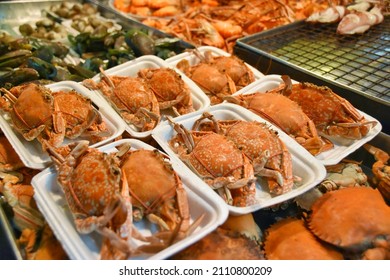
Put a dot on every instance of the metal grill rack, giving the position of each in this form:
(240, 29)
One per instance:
(357, 66)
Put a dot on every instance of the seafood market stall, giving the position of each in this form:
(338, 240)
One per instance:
(197, 136)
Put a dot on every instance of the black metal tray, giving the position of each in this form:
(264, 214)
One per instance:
(356, 67)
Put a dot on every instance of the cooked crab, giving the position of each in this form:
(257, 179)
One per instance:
(332, 115)
(381, 170)
(41, 121)
(289, 239)
(355, 219)
(170, 89)
(222, 244)
(267, 152)
(42, 245)
(216, 160)
(78, 113)
(215, 84)
(90, 180)
(285, 114)
(132, 99)
(157, 193)
(9, 159)
(234, 67)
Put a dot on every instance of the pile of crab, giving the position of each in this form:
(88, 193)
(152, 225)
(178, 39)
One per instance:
(55, 116)
(315, 116)
(347, 216)
(218, 23)
(143, 99)
(229, 155)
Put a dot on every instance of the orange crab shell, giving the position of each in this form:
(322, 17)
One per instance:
(254, 138)
(168, 86)
(9, 159)
(350, 217)
(152, 184)
(288, 116)
(240, 73)
(222, 244)
(129, 95)
(289, 239)
(215, 156)
(93, 183)
(76, 110)
(332, 114)
(214, 83)
(26, 117)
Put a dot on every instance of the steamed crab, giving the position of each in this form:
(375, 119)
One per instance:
(215, 84)
(222, 244)
(217, 160)
(332, 115)
(91, 181)
(355, 219)
(43, 121)
(42, 245)
(78, 113)
(381, 170)
(267, 152)
(19, 197)
(285, 114)
(132, 98)
(159, 195)
(169, 88)
(9, 159)
(289, 239)
(234, 67)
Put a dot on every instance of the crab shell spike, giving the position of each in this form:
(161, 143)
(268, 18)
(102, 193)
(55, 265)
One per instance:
(289, 239)
(351, 217)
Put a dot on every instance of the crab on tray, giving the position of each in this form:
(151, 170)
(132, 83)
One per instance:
(127, 222)
(62, 112)
(215, 71)
(245, 182)
(158, 90)
(329, 139)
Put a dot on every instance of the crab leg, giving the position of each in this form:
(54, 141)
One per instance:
(182, 205)
(206, 115)
(187, 138)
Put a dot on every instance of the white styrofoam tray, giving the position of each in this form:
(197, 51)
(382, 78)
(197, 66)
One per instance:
(193, 59)
(131, 68)
(30, 152)
(305, 165)
(52, 203)
(339, 151)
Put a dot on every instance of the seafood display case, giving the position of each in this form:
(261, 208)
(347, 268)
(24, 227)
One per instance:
(357, 67)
